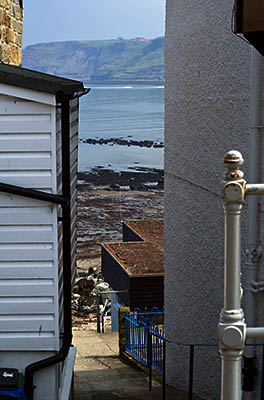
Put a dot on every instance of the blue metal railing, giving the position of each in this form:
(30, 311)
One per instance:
(146, 341)
(144, 330)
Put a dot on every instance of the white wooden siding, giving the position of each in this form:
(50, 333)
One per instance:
(27, 95)
(33, 323)
(26, 305)
(28, 228)
(26, 270)
(25, 161)
(27, 340)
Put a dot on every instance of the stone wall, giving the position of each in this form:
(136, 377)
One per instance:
(122, 330)
(11, 15)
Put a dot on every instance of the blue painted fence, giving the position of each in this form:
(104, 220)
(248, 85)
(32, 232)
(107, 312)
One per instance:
(144, 337)
(146, 341)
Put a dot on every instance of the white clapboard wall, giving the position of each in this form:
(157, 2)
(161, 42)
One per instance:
(74, 113)
(30, 235)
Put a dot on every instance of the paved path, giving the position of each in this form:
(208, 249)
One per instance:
(100, 375)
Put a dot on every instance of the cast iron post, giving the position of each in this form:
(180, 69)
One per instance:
(232, 327)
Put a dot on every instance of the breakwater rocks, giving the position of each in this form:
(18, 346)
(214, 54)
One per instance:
(123, 142)
(137, 179)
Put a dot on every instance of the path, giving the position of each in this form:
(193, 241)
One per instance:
(100, 375)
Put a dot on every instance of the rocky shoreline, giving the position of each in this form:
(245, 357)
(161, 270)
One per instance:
(137, 179)
(123, 142)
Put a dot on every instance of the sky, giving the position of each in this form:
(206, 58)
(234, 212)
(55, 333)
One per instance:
(54, 20)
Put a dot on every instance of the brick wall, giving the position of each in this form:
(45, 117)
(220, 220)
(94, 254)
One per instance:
(11, 14)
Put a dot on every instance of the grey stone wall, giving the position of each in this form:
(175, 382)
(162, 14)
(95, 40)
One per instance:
(11, 27)
(206, 114)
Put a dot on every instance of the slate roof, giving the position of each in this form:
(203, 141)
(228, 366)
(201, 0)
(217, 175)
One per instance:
(30, 79)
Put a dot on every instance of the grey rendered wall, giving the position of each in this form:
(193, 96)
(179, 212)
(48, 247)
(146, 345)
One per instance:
(206, 114)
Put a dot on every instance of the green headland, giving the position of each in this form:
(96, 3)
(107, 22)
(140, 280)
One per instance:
(119, 60)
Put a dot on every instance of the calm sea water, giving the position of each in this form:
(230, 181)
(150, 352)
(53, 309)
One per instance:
(128, 112)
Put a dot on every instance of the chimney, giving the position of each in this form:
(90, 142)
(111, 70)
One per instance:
(11, 15)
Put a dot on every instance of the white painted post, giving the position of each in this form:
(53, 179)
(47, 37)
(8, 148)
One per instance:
(232, 328)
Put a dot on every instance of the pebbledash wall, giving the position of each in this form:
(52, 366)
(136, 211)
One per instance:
(206, 114)
(11, 15)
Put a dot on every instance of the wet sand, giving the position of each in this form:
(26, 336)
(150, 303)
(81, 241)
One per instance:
(105, 199)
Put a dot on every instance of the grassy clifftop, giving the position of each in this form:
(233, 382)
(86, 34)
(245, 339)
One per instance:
(133, 60)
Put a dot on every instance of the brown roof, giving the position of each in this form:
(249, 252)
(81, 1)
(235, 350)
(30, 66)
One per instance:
(138, 258)
(150, 230)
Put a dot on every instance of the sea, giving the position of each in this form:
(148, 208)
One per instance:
(131, 112)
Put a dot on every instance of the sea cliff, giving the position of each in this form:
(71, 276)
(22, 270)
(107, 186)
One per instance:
(136, 60)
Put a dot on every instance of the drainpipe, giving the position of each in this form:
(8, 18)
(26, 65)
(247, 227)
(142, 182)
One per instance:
(253, 250)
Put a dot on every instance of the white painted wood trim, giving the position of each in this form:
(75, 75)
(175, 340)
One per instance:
(66, 379)
(55, 229)
(28, 94)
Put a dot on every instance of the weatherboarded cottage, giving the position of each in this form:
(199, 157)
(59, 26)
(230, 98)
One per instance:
(38, 177)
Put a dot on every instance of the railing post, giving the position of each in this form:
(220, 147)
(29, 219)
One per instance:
(149, 356)
(98, 313)
(164, 370)
(232, 328)
(262, 376)
(191, 361)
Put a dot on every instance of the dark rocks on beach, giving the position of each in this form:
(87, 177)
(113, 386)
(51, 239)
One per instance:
(138, 179)
(123, 142)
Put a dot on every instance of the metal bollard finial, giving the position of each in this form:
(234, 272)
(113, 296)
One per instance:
(232, 161)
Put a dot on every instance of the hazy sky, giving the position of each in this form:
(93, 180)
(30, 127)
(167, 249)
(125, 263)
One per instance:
(52, 20)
